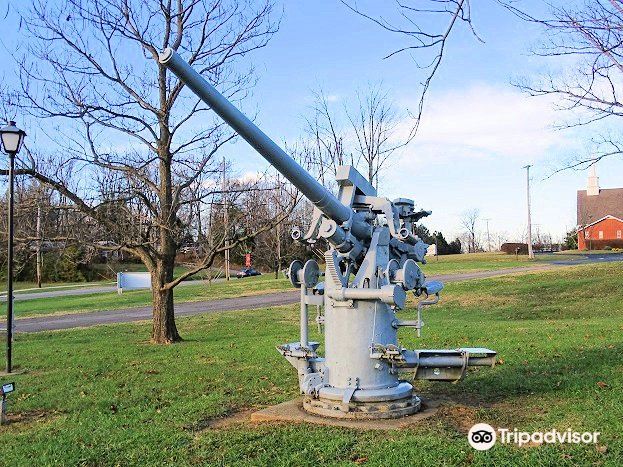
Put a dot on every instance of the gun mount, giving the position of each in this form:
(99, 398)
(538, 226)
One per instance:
(371, 264)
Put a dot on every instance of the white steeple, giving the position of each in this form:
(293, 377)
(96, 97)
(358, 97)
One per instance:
(593, 182)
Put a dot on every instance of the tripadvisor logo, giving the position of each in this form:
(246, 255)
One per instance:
(483, 436)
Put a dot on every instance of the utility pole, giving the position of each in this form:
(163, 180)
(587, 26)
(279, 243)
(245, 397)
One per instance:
(488, 236)
(200, 237)
(39, 259)
(226, 222)
(209, 233)
(530, 252)
(278, 230)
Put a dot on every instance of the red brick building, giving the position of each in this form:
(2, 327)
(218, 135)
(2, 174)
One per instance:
(600, 216)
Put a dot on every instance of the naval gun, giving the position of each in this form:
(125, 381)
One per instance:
(371, 264)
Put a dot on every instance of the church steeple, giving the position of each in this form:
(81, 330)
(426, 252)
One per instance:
(593, 182)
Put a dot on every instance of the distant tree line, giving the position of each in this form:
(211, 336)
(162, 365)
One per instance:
(437, 238)
(55, 242)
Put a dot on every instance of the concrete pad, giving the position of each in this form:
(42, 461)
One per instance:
(292, 411)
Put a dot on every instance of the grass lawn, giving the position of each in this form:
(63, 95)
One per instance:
(436, 265)
(265, 283)
(136, 298)
(104, 396)
(31, 287)
(469, 262)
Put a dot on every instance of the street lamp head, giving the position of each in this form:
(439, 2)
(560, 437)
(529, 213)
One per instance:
(12, 138)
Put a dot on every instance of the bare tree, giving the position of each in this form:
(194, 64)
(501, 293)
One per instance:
(469, 220)
(364, 136)
(272, 250)
(327, 149)
(144, 149)
(500, 238)
(426, 25)
(50, 236)
(592, 32)
(374, 124)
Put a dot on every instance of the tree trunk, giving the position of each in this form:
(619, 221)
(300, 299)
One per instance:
(164, 330)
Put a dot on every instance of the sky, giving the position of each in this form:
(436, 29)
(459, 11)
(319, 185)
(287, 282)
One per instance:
(477, 131)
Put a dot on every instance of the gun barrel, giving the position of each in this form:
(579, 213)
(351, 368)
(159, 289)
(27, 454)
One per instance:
(328, 204)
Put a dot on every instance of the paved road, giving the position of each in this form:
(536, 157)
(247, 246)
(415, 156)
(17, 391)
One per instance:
(80, 320)
(86, 290)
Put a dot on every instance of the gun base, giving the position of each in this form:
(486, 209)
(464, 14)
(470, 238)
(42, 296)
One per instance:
(354, 410)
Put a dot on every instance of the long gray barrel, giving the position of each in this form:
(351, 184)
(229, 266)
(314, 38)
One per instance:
(297, 175)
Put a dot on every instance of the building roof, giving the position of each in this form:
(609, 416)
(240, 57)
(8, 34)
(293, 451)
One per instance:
(585, 226)
(609, 202)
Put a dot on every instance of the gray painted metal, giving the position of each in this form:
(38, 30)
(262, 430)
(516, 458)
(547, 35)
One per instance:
(370, 266)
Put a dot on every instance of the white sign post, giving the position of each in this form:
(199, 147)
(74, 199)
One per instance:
(432, 250)
(132, 281)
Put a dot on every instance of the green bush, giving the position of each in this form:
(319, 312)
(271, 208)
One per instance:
(571, 240)
(57, 266)
(63, 266)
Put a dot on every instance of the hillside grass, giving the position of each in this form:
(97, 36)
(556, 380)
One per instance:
(199, 291)
(471, 262)
(105, 396)
(439, 265)
(31, 287)
(136, 298)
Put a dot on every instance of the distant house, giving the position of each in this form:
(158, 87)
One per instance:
(600, 215)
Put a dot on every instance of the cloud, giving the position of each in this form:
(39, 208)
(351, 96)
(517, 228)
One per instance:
(251, 177)
(469, 152)
(487, 121)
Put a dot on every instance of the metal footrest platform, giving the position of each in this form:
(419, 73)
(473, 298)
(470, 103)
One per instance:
(435, 364)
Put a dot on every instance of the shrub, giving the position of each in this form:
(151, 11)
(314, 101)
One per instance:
(511, 248)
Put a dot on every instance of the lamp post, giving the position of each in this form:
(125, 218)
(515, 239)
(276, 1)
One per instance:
(12, 140)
